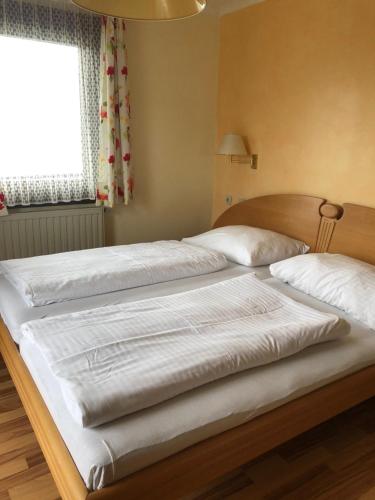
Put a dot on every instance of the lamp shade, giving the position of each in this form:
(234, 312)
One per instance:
(144, 10)
(232, 144)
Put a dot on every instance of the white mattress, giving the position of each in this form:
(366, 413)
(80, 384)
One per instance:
(15, 311)
(112, 451)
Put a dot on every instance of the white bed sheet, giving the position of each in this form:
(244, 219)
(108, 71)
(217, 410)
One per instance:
(112, 451)
(15, 312)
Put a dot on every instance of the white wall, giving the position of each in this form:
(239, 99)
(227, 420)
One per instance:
(173, 84)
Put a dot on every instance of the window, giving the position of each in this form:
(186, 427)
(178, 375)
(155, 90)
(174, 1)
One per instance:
(49, 123)
(40, 125)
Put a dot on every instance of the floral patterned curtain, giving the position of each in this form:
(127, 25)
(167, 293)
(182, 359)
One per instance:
(115, 180)
(3, 208)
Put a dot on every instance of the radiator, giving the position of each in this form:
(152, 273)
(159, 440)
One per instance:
(41, 232)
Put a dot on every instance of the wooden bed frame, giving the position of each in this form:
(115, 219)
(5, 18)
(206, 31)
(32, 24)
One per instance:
(321, 226)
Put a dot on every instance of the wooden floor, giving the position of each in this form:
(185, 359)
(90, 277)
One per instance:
(334, 461)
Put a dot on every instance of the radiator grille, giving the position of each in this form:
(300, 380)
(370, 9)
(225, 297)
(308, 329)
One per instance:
(44, 232)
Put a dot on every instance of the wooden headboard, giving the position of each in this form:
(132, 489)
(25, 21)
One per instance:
(349, 230)
(354, 233)
(297, 216)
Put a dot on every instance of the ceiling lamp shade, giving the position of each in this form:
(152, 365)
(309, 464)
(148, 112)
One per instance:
(144, 10)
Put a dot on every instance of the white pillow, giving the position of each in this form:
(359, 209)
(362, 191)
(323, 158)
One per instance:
(249, 246)
(343, 282)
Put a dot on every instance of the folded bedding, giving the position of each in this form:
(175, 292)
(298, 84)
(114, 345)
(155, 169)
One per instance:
(116, 360)
(65, 276)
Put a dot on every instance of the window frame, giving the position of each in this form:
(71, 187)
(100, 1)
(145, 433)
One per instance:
(66, 27)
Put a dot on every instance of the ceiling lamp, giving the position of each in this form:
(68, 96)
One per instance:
(144, 10)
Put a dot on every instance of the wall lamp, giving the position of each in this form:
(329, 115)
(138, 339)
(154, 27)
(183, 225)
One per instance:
(233, 145)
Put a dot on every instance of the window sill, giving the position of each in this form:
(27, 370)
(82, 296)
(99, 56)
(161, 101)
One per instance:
(51, 206)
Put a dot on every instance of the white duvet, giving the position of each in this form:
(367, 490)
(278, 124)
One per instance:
(71, 275)
(116, 360)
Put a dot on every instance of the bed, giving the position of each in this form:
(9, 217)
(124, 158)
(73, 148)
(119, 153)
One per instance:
(202, 447)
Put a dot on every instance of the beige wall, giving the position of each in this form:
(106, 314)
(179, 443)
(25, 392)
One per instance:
(173, 80)
(297, 77)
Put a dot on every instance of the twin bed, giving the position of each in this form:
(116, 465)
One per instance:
(182, 442)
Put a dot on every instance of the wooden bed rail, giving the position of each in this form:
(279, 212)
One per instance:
(63, 469)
